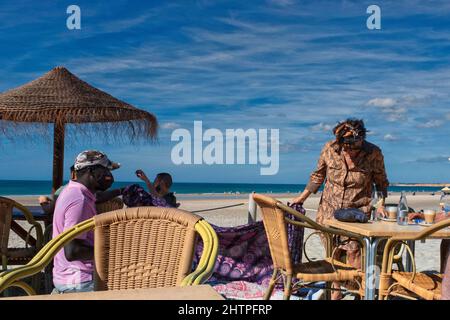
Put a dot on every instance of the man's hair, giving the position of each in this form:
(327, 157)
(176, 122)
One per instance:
(166, 177)
(356, 125)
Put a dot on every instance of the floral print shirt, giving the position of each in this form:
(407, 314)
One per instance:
(344, 187)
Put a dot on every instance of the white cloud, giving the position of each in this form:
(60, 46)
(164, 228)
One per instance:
(434, 159)
(281, 3)
(395, 109)
(389, 137)
(382, 102)
(170, 125)
(431, 124)
(322, 127)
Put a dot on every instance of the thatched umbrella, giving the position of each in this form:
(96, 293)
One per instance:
(58, 98)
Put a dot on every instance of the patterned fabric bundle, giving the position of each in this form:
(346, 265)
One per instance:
(135, 196)
(244, 253)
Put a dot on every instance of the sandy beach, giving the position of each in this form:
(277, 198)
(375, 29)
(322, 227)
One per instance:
(427, 254)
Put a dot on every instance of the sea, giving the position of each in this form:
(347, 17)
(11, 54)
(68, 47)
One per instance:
(32, 187)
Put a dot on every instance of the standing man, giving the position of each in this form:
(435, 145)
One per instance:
(74, 265)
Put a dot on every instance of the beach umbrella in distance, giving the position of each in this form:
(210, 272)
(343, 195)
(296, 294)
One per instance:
(59, 98)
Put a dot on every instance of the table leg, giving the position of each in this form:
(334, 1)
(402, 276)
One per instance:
(408, 260)
(371, 280)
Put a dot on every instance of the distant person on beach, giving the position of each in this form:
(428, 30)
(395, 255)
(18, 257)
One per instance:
(73, 266)
(350, 166)
(158, 195)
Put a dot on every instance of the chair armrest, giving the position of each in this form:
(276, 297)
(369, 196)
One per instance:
(202, 277)
(427, 232)
(209, 255)
(35, 225)
(12, 277)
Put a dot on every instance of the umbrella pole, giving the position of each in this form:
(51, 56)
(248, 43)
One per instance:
(58, 155)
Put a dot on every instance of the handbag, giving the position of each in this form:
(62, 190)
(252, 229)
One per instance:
(350, 215)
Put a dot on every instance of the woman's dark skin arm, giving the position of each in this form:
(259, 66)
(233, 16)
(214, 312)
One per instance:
(78, 250)
(104, 196)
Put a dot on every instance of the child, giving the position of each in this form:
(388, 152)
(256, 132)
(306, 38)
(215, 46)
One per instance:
(159, 194)
(163, 183)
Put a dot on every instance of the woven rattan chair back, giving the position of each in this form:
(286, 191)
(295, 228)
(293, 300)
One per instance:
(276, 230)
(144, 247)
(111, 205)
(6, 210)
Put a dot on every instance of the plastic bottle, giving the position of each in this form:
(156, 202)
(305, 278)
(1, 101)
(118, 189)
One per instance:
(402, 210)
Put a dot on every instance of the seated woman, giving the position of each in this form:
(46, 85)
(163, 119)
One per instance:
(159, 194)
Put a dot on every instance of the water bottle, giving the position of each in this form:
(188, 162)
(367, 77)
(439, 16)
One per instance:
(444, 203)
(402, 210)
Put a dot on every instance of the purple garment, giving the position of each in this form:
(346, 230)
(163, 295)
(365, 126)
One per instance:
(135, 196)
(244, 253)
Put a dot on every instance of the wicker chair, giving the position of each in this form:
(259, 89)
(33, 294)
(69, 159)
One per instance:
(134, 248)
(409, 285)
(17, 256)
(328, 270)
(399, 250)
(111, 205)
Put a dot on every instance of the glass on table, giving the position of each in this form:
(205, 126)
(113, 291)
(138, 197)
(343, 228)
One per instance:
(376, 202)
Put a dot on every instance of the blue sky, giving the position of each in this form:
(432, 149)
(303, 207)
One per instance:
(299, 66)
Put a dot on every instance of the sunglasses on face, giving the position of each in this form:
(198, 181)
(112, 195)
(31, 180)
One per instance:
(351, 140)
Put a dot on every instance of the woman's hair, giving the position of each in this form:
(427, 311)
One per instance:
(356, 126)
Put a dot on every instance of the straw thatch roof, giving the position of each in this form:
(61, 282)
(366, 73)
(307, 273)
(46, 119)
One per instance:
(61, 97)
